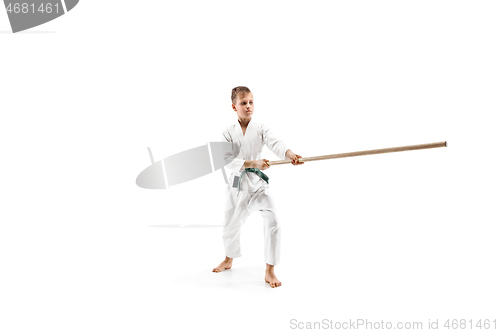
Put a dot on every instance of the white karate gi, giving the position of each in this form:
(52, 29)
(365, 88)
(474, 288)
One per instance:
(254, 191)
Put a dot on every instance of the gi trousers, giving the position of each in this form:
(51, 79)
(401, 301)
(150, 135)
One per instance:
(238, 208)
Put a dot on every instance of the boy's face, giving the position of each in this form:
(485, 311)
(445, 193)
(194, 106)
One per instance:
(244, 106)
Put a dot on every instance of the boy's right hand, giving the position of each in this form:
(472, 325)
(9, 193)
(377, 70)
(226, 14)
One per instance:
(261, 164)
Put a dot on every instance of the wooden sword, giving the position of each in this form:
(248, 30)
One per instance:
(364, 152)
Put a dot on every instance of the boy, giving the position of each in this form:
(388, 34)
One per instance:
(248, 188)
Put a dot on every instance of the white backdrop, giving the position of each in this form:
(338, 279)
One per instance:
(411, 236)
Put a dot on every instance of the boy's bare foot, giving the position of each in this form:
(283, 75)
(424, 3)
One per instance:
(271, 277)
(226, 264)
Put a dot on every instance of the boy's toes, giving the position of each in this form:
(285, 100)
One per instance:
(275, 284)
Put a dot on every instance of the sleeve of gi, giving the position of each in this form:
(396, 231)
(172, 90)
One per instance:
(278, 147)
(237, 165)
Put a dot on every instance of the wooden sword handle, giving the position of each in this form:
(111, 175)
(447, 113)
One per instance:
(364, 152)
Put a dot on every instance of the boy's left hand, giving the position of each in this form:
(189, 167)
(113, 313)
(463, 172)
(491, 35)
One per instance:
(294, 157)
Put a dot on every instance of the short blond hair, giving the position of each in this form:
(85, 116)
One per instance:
(237, 91)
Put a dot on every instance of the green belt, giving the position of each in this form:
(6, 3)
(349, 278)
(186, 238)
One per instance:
(257, 172)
